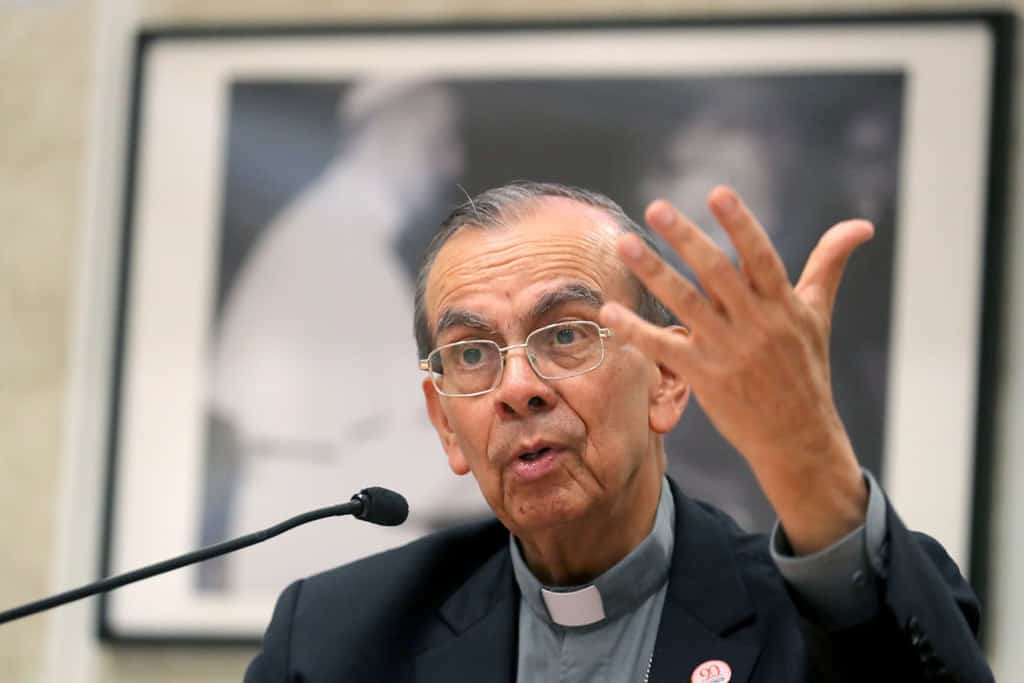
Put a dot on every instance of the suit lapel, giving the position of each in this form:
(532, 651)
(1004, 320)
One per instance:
(479, 635)
(708, 614)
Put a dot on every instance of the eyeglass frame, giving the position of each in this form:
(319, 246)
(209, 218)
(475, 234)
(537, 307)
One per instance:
(602, 334)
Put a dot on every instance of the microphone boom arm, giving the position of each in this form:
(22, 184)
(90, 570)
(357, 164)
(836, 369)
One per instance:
(356, 506)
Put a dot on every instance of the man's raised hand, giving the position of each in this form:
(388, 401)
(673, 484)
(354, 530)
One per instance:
(757, 356)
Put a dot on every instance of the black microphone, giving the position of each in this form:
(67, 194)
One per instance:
(382, 506)
(375, 504)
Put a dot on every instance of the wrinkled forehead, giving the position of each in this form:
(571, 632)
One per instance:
(555, 240)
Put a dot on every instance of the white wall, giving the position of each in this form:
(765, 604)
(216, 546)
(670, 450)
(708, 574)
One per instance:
(65, 67)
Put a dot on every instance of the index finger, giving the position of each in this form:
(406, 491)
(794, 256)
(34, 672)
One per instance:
(761, 262)
(669, 346)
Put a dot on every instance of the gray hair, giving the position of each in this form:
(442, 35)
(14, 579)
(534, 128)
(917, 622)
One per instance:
(497, 207)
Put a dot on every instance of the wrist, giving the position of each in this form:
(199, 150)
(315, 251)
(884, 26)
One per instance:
(819, 498)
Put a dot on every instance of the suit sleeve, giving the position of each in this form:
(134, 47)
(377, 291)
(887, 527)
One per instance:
(926, 627)
(884, 588)
(836, 584)
(272, 663)
(935, 610)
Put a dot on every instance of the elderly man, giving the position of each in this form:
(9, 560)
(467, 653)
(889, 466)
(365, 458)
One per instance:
(553, 372)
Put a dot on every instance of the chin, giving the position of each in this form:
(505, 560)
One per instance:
(545, 512)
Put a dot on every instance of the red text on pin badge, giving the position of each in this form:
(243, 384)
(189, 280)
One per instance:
(712, 671)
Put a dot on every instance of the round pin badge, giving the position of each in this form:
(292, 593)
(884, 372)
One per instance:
(712, 671)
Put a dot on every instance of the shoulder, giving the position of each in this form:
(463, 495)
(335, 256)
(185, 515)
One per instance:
(713, 555)
(453, 553)
(377, 606)
(706, 524)
(749, 550)
(413, 578)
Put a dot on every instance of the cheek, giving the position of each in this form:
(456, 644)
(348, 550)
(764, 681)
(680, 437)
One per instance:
(617, 414)
(473, 433)
(472, 424)
(629, 387)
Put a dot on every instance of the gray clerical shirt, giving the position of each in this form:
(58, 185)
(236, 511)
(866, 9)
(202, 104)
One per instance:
(605, 631)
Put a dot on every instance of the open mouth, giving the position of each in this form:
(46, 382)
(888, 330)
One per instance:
(533, 455)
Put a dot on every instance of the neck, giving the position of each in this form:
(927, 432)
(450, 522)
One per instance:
(582, 549)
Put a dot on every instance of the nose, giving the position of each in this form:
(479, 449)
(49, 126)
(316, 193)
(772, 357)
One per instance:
(521, 391)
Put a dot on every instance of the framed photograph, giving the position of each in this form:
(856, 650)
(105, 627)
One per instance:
(283, 184)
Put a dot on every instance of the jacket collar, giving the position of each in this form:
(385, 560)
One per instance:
(708, 614)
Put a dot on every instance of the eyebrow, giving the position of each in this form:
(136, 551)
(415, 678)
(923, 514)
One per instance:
(572, 292)
(460, 317)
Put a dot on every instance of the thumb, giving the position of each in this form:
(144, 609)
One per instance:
(820, 279)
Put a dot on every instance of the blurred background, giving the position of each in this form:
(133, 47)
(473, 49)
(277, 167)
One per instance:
(66, 69)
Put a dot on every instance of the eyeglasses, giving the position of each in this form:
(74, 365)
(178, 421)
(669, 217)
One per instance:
(474, 367)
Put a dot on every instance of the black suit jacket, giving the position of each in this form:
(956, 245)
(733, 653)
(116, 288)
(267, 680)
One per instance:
(445, 608)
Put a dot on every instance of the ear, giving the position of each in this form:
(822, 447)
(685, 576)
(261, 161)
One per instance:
(669, 395)
(456, 460)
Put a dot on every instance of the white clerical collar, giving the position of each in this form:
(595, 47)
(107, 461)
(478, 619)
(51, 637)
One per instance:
(621, 589)
(580, 607)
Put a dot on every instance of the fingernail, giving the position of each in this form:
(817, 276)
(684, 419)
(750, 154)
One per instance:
(660, 216)
(631, 248)
(725, 201)
(611, 315)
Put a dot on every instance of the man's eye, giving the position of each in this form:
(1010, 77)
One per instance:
(471, 355)
(566, 335)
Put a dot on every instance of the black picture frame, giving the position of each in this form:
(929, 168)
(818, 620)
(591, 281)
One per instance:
(131, 451)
